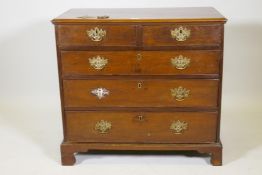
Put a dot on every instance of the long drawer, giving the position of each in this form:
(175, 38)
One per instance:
(81, 63)
(141, 127)
(141, 93)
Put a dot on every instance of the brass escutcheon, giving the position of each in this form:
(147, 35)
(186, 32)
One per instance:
(178, 126)
(100, 92)
(96, 34)
(140, 117)
(139, 85)
(103, 126)
(139, 56)
(180, 62)
(180, 93)
(98, 62)
(180, 34)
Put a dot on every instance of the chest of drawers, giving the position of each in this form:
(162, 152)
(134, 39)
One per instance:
(140, 79)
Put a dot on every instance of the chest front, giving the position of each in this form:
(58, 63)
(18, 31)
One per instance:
(140, 83)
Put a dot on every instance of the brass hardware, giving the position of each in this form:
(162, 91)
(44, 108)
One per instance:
(98, 17)
(103, 126)
(140, 118)
(102, 17)
(180, 62)
(139, 85)
(85, 17)
(96, 34)
(178, 126)
(180, 93)
(98, 62)
(180, 33)
(100, 92)
(139, 56)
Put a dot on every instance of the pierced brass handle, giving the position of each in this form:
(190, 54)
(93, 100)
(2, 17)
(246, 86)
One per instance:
(179, 126)
(98, 62)
(180, 62)
(103, 126)
(100, 92)
(180, 33)
(180, 93)
(96, 34)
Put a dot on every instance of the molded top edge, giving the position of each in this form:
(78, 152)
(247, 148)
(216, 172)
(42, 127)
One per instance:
(115, 15)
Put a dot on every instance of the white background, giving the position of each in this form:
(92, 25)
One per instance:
(30, 119)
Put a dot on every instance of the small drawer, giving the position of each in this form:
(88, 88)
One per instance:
(96, 35)
(141, 127)
(84, 63)
(141, 93)
(182, 35)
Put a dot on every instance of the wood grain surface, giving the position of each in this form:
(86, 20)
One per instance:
(152, 128)
(140, 87)
(76, 63)
(153, 93)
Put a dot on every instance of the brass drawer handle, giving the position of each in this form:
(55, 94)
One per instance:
(180, 33)
(180, 62)
(180, 93)
(96, 34)
(103, 126)
(98, 62)
(179, 126)
(100, 92)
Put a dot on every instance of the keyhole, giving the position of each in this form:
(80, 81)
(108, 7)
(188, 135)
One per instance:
(139, 85)
(138, 56)
(140, 118)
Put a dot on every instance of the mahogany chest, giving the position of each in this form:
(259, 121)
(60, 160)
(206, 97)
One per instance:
(140, 79)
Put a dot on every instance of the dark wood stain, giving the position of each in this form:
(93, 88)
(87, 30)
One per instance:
(153, 93)
(131, 32)
(154, 127)
(76, 63)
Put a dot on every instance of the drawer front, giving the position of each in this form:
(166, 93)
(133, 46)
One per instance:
(143, 127)
(140, 93)
(81, 63)
(96, 35)
(182, 35)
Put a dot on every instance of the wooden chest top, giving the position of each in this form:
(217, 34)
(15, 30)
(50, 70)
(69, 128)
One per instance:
(182, 14)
